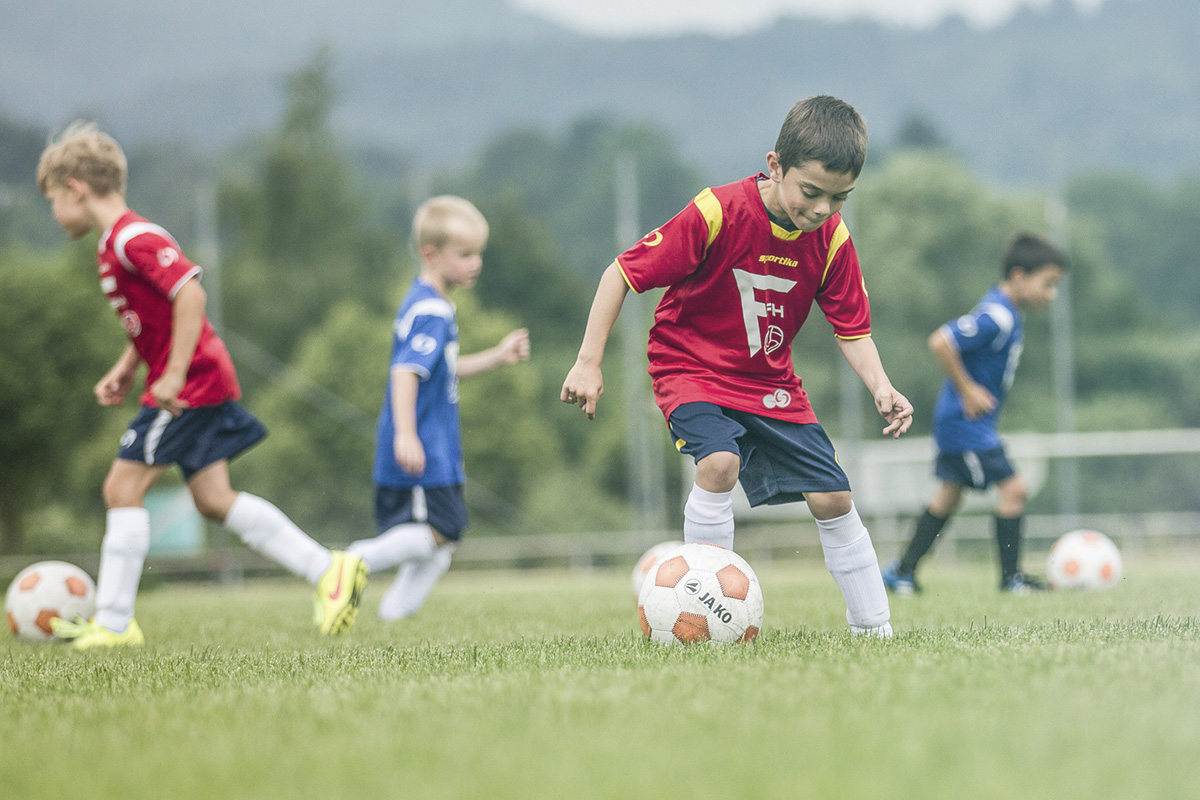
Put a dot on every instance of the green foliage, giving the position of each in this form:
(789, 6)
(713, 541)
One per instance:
(316, 464)
(1152, 231)
(568, 184)
(59, 338)
(300, 232)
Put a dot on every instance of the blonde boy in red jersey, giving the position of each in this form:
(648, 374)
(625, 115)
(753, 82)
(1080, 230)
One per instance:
(742, 265)
(189, 415)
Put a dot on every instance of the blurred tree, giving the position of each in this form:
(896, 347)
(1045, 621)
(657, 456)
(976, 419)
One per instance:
(919, 131)
(299, 232)
(59, 338)
(1151, 232)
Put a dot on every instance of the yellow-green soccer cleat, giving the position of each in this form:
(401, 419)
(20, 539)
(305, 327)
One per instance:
(86, 635)
(338, 593)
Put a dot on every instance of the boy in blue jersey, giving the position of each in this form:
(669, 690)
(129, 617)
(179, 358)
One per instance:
(419, 476)
(979, 353)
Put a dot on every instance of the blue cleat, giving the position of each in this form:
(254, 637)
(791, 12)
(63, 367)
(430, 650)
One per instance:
(898, 583)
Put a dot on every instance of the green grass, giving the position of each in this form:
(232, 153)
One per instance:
(532, 685)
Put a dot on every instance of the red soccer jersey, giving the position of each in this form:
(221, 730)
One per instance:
(141, 269)
(738, 289)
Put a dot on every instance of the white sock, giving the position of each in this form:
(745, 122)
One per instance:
(708, 517)
(122, 554)
(851, 560)
(267, 530)
(410, 541)
(414, 581)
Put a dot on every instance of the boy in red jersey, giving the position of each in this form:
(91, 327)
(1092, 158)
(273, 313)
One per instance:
(742, 265)
(189, 415)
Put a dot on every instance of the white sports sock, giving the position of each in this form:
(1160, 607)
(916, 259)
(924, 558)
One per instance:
(851, 560)
(414, 581)
(122, 554)
(708, 517)
(410, 541)
(267, 530)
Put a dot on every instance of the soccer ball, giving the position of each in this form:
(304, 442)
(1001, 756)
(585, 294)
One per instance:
(645, 565)
(699, 593)
(46, 590)
(1084, 560)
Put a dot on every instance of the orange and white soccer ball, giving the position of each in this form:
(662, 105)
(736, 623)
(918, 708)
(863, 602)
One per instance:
(1084, 559)
(701, 593)
(46, 590)
(646, 564)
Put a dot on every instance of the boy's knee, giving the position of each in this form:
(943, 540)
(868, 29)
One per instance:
(718, 472)
(829, 505)
(1013, 494)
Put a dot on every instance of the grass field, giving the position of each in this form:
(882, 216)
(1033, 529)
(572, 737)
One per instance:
(536, 685)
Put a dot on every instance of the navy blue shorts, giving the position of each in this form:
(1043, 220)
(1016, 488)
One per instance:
(780, 460)
(195, 439)
(442, 507)
(974, 470)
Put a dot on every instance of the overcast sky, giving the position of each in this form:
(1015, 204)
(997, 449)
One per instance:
(657, 17)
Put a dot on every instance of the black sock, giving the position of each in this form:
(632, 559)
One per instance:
(928, 528)
(1008, 541)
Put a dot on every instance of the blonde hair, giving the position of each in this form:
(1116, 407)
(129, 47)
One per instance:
(440, 219)
(85, 153)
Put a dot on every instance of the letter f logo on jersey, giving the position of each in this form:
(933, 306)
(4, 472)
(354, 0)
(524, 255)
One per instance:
(754, 309)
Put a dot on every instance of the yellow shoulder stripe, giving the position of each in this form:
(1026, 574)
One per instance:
(710, 208)
(840, 234)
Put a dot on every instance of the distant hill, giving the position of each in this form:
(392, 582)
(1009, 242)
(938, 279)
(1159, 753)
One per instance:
(1045, 95)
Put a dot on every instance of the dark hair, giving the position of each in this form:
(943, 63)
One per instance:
(823, 129)
(1031, 252)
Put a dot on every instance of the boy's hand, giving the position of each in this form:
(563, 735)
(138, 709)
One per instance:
(895, 408)
(114, 387)
(166, 393)
(409, 453)
(976, 401)
(583, 386)
(515, 347)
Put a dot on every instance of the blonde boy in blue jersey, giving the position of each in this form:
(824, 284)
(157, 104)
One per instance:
(420, 512)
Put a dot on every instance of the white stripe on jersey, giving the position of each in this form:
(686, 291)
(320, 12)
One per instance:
(135, 229)
(429, 307)
(1003, 317)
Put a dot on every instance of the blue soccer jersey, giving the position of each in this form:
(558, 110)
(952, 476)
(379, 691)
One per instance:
(424, 341)
(989, 341)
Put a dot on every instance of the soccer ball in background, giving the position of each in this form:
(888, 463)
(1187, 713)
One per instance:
(699, 593)
(1083, 560)
(46, 590)
(649, 560)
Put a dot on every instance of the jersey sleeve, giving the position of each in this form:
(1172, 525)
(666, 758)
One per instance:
(419, 344)
(980, 328)
(842, 296)
(670, 253)
(154, 255)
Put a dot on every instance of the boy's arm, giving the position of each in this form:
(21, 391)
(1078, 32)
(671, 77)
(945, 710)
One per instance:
(406, 447)
(976, 400)
(512, 349)
(585, 382)
(187, 320)
(894, 407)
(112, 389)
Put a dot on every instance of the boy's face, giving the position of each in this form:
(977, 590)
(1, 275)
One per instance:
(807, 194)
(459, 261)
(69, 209)
(1036, 289)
